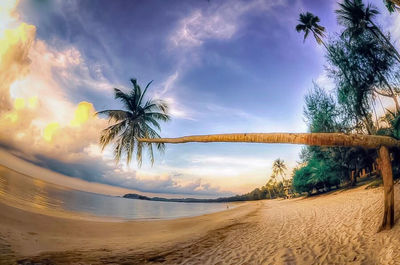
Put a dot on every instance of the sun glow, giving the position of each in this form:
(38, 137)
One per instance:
(11, 31)
(19, 103)
(7, 14)
(50, 130)
(83, 112)
(33, 102)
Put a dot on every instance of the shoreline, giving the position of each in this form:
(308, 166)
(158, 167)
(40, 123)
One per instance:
(31, 233)
(335, 228)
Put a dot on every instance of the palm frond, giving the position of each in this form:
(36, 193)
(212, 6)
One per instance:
(124, 98)
(116, 115)
(111, 132)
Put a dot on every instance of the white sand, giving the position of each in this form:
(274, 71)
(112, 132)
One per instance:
(337, 228)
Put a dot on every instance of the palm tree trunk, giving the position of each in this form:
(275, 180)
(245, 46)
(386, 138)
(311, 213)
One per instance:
(368, 123)
(387, 176)
(317, 139)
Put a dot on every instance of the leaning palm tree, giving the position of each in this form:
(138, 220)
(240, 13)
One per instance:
(357, 18)
(383, 143)
(138, 119)
(279, 167)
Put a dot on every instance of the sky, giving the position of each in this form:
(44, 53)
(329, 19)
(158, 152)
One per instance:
(222, 66)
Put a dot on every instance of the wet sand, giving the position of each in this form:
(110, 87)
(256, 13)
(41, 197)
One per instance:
(336, 228)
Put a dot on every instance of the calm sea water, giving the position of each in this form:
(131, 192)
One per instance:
(20, 190)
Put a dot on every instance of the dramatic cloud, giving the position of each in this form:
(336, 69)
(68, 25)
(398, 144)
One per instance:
(40, 123)
(223, 66)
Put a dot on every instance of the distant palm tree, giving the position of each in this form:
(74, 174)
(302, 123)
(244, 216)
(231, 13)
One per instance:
(309, 23)
(136, 120)
(357, 18)
(278, 168)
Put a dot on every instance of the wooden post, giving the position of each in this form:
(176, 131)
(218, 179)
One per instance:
(387, 176)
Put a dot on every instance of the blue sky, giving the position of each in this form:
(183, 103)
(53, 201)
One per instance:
(223, 66)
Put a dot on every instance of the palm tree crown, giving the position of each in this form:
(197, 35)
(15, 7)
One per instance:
(279, 167)
(309, 23)
(357, 18)
(138, 119)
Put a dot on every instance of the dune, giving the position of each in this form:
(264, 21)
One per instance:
(335, 228)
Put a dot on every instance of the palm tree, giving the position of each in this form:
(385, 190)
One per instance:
(357, 17)
(318, 139)
(278, 168)
(309, 23)
(138, 119)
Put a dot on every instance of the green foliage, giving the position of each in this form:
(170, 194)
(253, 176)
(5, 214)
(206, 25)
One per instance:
(317, 174)
(301, 180)
(363, 64)
(361, 69)
(321, 112)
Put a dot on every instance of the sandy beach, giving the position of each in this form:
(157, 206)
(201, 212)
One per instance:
(336, 228)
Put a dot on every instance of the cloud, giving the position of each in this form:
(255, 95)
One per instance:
(395, 29)
(325, 82)
(165, 91)
(218, 22)
(41, 124)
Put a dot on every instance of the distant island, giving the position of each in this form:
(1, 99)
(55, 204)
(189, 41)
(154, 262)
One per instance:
(223, 199)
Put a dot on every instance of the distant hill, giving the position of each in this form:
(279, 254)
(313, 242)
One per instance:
(223, 199)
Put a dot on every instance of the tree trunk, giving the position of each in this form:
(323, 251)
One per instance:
(368, 122)
(317, 139)
(387, 176)
(353, 178)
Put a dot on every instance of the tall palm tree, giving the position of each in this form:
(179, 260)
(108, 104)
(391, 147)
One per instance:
(318, 139)
(279, 167)
(357, 18)
(139, 118)
(309, 23)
